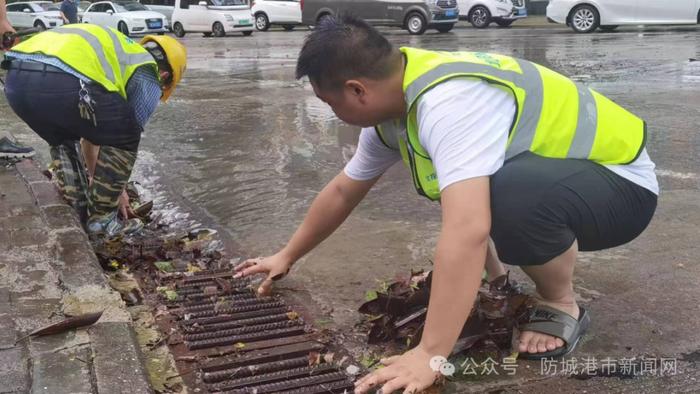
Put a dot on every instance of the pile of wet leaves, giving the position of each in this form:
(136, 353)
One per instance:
(396, 314)
(158, 248)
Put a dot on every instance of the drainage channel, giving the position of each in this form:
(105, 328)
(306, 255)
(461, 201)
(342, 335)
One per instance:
(225, 339)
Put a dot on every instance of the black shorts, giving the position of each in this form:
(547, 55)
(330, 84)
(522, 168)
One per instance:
(540, 206)
(48, 103)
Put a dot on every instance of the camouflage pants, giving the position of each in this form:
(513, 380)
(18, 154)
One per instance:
(71, 176)
(112, 173)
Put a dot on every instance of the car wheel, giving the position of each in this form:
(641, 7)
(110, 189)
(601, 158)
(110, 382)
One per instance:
(480, 17)
(288, 27)
(178, 30)
(415, 23)
(262, 22)
(584, 19)
(248, 33)
(40, 25)
(608, 28)
(207, 34)
(218, 29)
(503, 23)
(444, 28)
(123, 28)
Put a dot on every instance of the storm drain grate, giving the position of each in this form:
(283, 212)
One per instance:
(241, 343)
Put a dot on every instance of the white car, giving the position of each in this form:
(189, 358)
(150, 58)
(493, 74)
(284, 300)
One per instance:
(82, 7)
(480, 13)
(584, 16)
(129, 17)
(217, 17)
(165, 7)
(276, 12)
(41, 14)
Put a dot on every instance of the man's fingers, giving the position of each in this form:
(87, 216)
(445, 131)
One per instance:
(395, 384)
(250, 270)
(265, 287)
(246, 264)
(411, 389)
(389, 360)
(375, 379)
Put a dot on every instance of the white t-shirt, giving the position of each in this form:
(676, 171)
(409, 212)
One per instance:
(463, 125)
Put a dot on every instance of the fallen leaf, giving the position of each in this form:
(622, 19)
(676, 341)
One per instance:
(370, 295)
(65, 325)
(171, 295)
(328, 357)
(164, 266)
(314, 358)
(292, 315)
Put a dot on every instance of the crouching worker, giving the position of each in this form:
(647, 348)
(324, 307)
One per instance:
(92, 83)
(514, 152)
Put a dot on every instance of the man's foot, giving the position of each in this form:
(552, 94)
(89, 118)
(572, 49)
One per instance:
(111, 226)
(12, 150)
(533, 342)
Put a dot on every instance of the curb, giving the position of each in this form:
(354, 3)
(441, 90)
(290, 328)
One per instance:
(52, 271)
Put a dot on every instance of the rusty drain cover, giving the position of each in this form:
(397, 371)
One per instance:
(226, 339)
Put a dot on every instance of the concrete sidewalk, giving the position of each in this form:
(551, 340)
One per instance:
(48, 271)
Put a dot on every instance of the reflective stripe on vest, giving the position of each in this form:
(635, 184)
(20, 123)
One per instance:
(531, 81)
(101, 54)
(555, 117)
(96, 46)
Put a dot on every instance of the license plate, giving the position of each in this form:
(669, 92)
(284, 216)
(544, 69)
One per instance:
(155, 25)
(450, 13)
(521, 12)
(244, 22)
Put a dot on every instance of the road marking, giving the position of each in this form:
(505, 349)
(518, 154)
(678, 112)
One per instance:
(677, 175)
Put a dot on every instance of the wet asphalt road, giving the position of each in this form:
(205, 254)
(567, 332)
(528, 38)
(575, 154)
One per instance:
(244, 147)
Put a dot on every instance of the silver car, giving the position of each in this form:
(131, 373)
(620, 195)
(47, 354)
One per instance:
(413, 15)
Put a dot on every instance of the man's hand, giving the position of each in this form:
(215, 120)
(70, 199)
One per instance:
(124, 206)
(327, 212)
(276, 267)
(459, 261)
(5, 26)
(411, 371)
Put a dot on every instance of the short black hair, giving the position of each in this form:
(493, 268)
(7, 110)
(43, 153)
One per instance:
(342, 48)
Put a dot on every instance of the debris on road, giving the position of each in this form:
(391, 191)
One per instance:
(396, 314)
(65, 325)
(221, 336)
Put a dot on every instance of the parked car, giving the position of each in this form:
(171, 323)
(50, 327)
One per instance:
(82, 7)
(413, 15)
(276, 12)
(40, 14)
(217, 17)
(480, 13)
(584, 16)
(165, 7)
(129, 17)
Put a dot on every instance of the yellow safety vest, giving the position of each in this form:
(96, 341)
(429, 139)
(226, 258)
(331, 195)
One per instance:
(555, 116)
(104, 55)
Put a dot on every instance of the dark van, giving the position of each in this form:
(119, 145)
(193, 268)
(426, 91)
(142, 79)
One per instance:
(413, 15)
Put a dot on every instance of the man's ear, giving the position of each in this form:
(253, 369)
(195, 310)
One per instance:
(164, 74)
(356, 89)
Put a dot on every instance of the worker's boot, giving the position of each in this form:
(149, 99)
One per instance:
(111, 175)
(71, 176)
